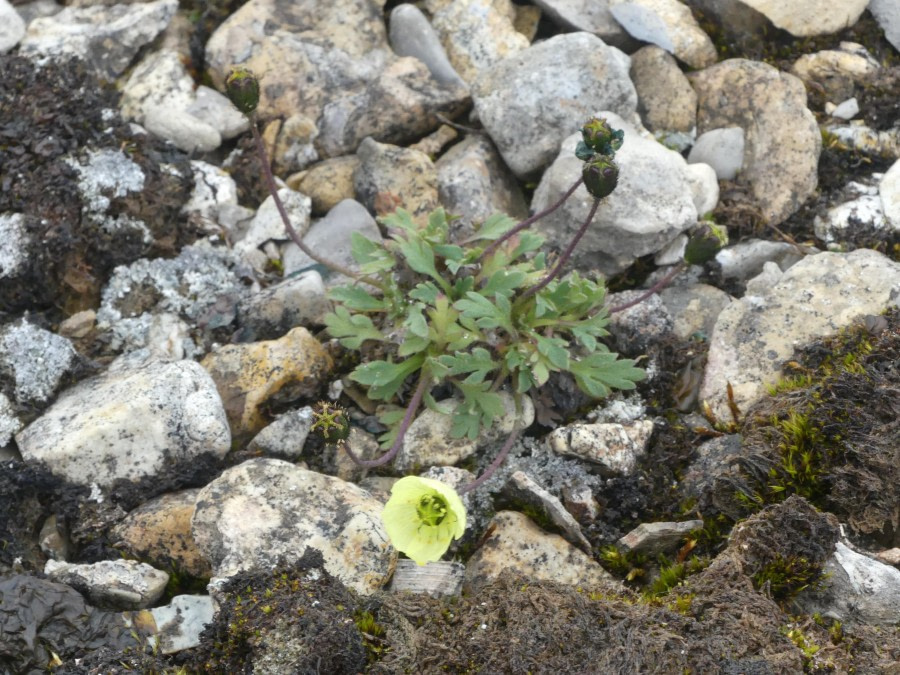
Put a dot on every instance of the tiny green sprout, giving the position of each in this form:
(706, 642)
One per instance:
(331, 421)
(705, 241)
(422, 517)
(242, 89)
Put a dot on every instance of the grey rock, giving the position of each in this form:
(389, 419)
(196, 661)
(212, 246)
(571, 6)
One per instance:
(530, 102)
(184, 130)
(722, 149)
(803, 18)
(615, 447)
(887, 14)
(388, 176)
(107, 38)
(694, 308)
(668, 24)
(299, 300)
(112, 584)
(704, 187)
(641, 325)
(266, 510)
(9, 421)
(857, 590)
(521, 489)
(666, 100)
(213, 188)
(515, 543)
(590, 16)
(869, 141)
(836, 71)
(14, 244)
(400, 105)
(578, 498)
(650, 207)
(36, 360)
(38, 8)
(106, 174)
(652, 539)
(477, 34)
(215, 110)
(12, 27)
(330, 238)
(129, 423)
(267, 226)
(179, 624)
(889, 191)
(746, 259)
(438, 578)
(864, 213)
(816, 297)
(782, 141)
(411, 34)
(473, 183)
(285, 436)
(714, 458)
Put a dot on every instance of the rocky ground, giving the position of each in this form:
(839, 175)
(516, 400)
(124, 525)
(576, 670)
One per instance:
(167, 505)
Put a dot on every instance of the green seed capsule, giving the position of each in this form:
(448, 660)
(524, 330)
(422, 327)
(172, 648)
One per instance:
(242, 89)
(601, 137)
(601, 175)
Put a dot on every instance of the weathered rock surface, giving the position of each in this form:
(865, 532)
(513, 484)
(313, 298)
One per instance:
(114, 584)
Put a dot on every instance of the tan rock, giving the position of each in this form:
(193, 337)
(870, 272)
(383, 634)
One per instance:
(327, 183)
(666, 100)
(810, 17)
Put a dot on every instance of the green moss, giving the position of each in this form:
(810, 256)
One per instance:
(784, 577)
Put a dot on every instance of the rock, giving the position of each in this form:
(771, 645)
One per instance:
(291, 143)
(12, 27)
(641, 325)
(649, 208)
(434, 143)
(579, 500)
(477, 34)
(106, 37)
(389, 176)
(722, 149)
(816, 297)
(713, 458)
(411, 34)
(522, 490)
(215, 110)
(36, 360)
(327, 183)
(516, 543)
(668, 24)
(180, 623)
(53, 539)
(590, 16)
(428, 441)
(846, 110)
(694, 308)
(330, 237)
(890, 556)
(285, 436)
(704, 187)
(651, 539)
(867, 140)
(184, 130)
(159, 531)
(112, 584)
(268, 510)
(666, 100)
(473, 184)
(852, 218)
(14, 244)
(530, 102)
(267, 226)
(213, 189)
(339, 47)
(782, 139)
(364, 444)
(856, 590)
(9, 421)
(889, 191)
(615, 447)
(887, 14)
(836, 71)
(803, 18)
(129, 423)
(249, 375)
(746, 259)
(299, 300)
(402, 104)
(438, 578)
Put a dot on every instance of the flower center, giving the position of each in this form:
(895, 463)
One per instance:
(432, 509)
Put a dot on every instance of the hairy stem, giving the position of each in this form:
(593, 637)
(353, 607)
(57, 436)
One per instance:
(273, 190)
(528, 222)
(658, 286)
(498, 460)
(564, 258)
(411, 409)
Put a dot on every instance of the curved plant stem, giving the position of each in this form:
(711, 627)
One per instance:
(273, 190)
(411, 409)
(658, 286)
(498, 460)
(564, 258)
(528, 222)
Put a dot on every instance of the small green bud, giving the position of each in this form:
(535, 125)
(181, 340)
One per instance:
(601, 137)
(583, 151)
(705, 241)
(242, 89)
(601, 175)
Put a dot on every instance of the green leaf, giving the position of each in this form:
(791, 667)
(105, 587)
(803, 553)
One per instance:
(401, 219)
(598, 373)
(494, 227)
(351, 329)
(383, 378)
(415, 322)
(425, 292)
(485, 313)
(554, 349)
(420, 258)
(528, 241)
(371, 256)
(478, 363)
(478, 409)
(504, 282)
(390, 417)
(357, 298)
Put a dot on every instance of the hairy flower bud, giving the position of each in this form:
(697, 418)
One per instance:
(706, 240)
(601, 137)
(601, 175)
(242, 89)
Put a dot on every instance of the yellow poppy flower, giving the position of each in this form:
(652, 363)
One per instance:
(422, 517)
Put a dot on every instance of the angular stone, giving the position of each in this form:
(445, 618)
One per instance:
(616, 447)
(668, 24)
(652, 539)
(666, 100)
(36, 360)
(12, 27)
(299, 300)
(389, 176)
(411, 34)
(590, 16)
(327, 183)
(804, 18)
(112, 584)
(523, 490)
(180, 623)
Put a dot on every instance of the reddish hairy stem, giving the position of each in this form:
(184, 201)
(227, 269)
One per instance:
(498, 460)
(411, 409)
(658, 286)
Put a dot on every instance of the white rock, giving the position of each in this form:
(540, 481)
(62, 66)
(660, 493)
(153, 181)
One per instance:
(36, 359)
(590, 16)
(816, 297)
(129, 424)
(267, 510)
(668, 24)
(14, 242)
(704, 186)
(12, 27)
(184, 130)
(106, 172)
(810, 17)
(846, 110)
(889, 191)
(286, 435)
(179, 624)
(887, 14)
(864, 212)
(267, 225)
(745, 260)
(722, 149)
(617, 447)
(9, 422)
(215, 110)
(118, 584)
(213, 187)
